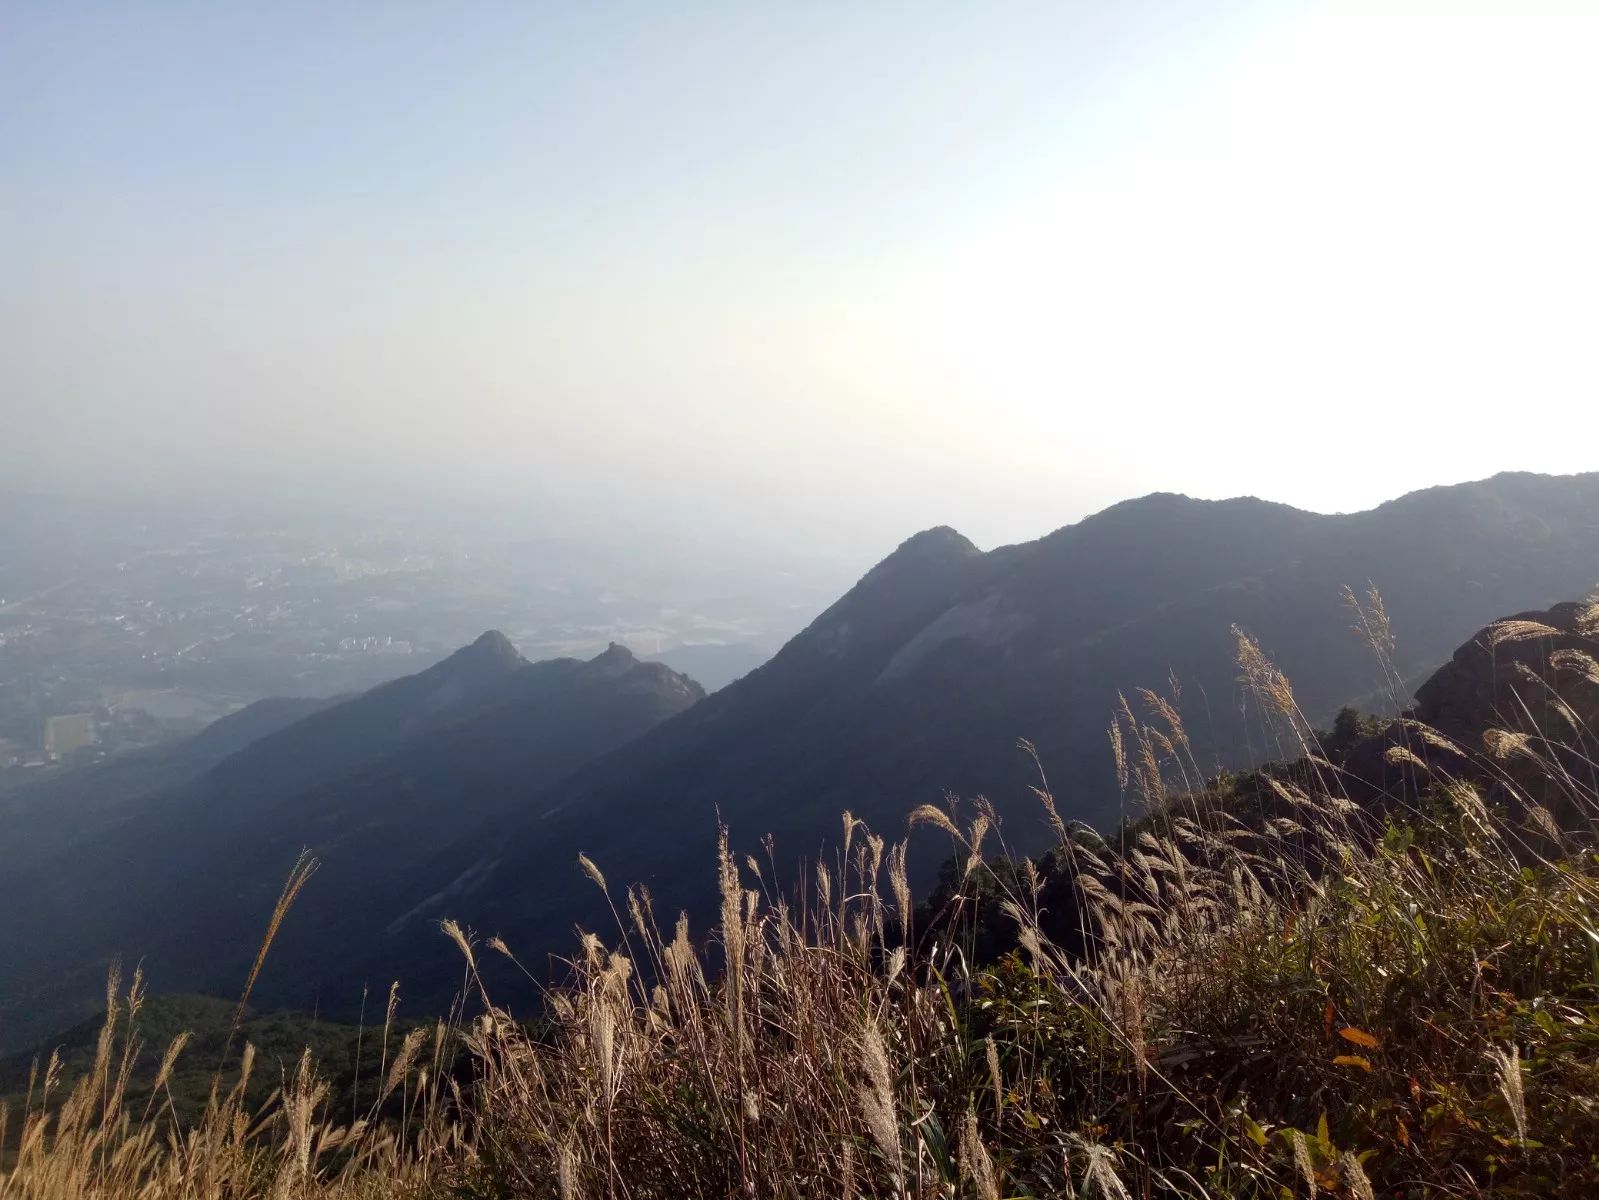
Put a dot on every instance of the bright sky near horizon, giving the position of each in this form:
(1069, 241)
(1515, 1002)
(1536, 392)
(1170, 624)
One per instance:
(832, 271)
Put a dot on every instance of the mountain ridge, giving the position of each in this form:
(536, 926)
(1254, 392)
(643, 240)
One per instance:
(918, 682)
(878, 738)
(370, 785)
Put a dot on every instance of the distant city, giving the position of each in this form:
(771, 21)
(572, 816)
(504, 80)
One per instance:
(122, 625)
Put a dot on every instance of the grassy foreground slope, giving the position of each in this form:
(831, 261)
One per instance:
(346, 1055)
(1375, 973)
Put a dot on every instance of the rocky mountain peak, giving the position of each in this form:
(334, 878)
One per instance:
(615, 656)
(939, 542)
(1510, 672)
(491, 649)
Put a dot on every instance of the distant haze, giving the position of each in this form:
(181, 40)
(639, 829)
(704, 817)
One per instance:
(829, 272)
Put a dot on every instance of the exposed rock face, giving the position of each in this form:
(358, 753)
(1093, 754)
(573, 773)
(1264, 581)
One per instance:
(986, 621)
(1519, 702)
(1525, 688)
(1514, 671)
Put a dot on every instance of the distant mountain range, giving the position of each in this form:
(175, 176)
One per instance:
(468, 791)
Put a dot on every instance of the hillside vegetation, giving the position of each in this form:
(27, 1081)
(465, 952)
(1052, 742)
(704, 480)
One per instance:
(375, 785)
(464, 790)
(346, 1055)
(1371, 969)
(922, 677)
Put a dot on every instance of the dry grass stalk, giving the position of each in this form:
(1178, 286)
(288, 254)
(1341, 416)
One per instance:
(1208, 1004)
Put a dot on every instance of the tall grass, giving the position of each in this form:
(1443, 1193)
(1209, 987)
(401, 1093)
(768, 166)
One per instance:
(1282, 985)
(1270, 990)
(91, 1142)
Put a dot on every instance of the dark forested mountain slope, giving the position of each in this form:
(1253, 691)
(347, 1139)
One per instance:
(374, 787)
(922, 679)
(40, 819)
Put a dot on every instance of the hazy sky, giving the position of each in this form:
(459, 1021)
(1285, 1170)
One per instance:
(837, 270)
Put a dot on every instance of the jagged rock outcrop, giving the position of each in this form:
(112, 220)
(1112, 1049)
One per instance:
(1513, 716)
(1520, 702)
(1524, 669)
